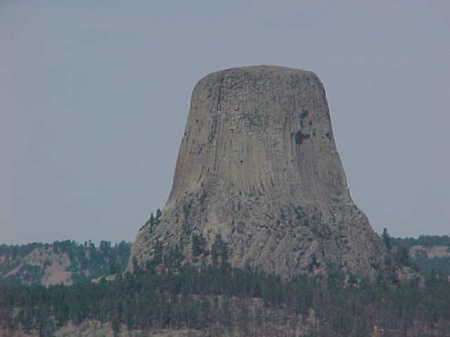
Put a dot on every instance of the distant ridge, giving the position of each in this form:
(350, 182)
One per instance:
(61, 262)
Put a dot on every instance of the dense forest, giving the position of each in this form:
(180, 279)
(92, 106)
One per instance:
(171, 294)
(27, 264)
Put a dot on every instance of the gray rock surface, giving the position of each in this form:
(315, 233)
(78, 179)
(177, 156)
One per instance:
(258, 165)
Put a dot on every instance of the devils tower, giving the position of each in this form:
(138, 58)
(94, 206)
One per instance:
(258, 166)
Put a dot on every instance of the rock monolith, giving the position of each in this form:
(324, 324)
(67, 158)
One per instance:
(258, 168)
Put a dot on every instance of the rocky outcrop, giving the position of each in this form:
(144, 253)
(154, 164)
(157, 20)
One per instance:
(429, 252)
(40, 266)
(258, 166)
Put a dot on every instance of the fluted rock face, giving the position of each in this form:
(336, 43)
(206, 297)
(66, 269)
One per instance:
(258, 165)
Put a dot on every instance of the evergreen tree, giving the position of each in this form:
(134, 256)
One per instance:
(386, 239)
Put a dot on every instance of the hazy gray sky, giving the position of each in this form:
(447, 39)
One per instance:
(94, 97)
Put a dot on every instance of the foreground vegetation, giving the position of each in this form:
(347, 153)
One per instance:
(172, 294)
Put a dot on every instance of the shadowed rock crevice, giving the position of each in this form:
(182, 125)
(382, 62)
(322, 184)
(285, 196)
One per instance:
(258, 165)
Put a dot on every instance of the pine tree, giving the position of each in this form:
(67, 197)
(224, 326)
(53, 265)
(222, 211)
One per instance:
(387, 239)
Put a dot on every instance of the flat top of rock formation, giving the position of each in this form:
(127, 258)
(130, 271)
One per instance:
(259, 69)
